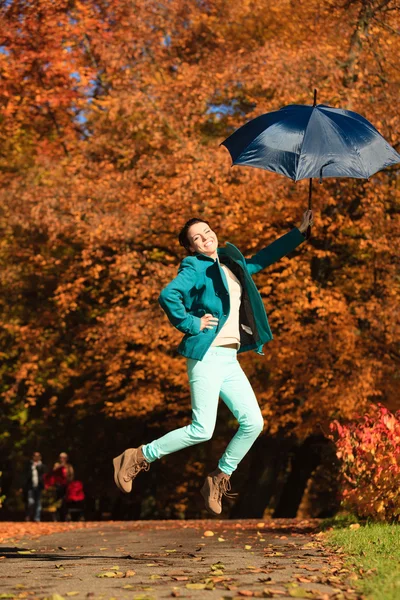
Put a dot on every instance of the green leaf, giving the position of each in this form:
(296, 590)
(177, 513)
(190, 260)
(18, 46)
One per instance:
(217, 566)
(296, 591)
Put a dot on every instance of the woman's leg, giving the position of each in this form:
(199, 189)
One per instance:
(238, 395)
(205, 378)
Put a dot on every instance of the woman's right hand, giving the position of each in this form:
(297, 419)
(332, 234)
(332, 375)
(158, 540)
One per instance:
(208, 321)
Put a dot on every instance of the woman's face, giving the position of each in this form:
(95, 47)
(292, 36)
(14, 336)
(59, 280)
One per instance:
(202, 239)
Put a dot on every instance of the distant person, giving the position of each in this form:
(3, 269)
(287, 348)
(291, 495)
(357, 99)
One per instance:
(61, 475)
(32, 485)
(214, 301)
(63, 468)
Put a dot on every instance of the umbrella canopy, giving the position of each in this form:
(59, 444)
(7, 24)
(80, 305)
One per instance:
(305, 141)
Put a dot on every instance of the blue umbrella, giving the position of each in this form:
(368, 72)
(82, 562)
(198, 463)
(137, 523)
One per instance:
(304, 141)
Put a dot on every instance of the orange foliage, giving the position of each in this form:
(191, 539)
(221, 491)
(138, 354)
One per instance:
(112, 120)
(369, 452)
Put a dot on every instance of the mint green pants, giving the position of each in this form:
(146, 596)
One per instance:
(219, 374)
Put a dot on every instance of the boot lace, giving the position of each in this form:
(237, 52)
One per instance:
(222, 487)
(135, 469)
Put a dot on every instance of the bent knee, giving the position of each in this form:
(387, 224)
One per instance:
(255, 425)
(201, 433)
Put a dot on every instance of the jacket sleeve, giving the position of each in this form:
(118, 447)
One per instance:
(171, 299)
(273, 252)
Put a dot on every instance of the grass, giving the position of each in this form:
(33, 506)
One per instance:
(373, 552)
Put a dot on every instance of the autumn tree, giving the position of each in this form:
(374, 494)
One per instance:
(112, 116)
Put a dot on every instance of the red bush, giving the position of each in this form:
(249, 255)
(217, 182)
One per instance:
(369, 450)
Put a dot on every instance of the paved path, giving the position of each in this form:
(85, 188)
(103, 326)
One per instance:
(146, 560)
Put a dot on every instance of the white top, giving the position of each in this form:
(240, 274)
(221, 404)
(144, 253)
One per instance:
(229, 333)
(35, 475)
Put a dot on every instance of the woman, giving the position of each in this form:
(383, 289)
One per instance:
(61, 476)
(215, 303)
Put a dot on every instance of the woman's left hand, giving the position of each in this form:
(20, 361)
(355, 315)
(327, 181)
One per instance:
(307, 220)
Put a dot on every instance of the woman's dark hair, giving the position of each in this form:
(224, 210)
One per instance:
(183, 238)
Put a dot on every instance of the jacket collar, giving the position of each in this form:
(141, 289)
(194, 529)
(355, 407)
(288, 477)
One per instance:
(229, 250)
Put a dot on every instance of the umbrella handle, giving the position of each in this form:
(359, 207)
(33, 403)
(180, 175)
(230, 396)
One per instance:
(308, 232)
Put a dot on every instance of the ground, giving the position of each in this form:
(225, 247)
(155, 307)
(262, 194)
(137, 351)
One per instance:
(213, 559)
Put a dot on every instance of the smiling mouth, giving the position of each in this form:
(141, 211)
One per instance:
(208, 243)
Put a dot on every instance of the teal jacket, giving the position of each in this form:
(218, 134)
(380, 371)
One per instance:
(201, 287)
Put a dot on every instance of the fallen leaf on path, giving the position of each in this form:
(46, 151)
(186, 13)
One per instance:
(248, 593)
(130, 573)
(208, 533)
(303, 579)
(110, 574)
(295, 591)
(219, 579)
(180, 578)
(230, 586)
(210, 585)
(219, 566)
(196, 586)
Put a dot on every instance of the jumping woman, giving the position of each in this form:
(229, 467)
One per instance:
(215, 303)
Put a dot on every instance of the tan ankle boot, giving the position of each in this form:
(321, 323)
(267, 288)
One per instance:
(216, 484)
(126, 466)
